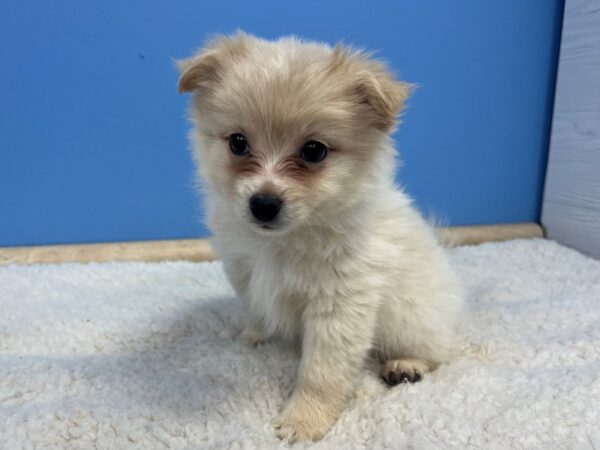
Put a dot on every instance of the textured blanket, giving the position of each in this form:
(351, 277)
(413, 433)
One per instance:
(145, 355)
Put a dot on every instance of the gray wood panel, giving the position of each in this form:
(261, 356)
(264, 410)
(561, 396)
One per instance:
(571, 206)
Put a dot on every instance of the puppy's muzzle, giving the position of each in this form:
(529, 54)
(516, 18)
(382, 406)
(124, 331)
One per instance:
(265, 207)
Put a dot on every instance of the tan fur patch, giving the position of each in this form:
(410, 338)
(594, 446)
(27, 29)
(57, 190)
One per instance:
(294, 168)
(244, 165)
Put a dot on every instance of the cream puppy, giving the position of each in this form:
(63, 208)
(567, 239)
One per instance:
(292, 141)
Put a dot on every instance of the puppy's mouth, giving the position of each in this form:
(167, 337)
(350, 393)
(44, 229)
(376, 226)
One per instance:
(276, 228)
(266, 226)
(269, 228)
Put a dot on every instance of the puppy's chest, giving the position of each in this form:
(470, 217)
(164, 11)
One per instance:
(281, 287)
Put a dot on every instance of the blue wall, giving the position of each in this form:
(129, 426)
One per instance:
(92, 131)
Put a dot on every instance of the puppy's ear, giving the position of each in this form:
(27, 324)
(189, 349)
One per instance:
(207, 66)
(373, 85)
(384, 94)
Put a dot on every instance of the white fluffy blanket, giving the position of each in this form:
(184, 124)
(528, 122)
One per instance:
(142, 355)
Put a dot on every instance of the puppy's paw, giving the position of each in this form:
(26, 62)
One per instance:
(407, 370)
(252, 336)
(300, 422)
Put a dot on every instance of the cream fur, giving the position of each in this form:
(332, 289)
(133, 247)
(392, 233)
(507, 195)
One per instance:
(352, 266)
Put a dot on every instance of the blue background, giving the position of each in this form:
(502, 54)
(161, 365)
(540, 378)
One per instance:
(92, 132)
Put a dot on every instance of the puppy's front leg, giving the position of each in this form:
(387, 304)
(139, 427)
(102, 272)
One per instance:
(238, 273)
(337, 337)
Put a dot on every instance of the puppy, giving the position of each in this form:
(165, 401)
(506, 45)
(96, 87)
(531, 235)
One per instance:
(292, 141)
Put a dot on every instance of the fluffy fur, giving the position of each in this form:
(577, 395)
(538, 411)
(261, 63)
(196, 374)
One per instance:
(350, 268)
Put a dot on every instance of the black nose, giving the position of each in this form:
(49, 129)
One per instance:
(265, 207)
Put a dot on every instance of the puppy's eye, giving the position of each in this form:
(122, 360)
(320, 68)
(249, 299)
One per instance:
(238, 144)
(313, 152)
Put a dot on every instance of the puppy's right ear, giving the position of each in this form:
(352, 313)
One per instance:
(207, 66)
(197, 71)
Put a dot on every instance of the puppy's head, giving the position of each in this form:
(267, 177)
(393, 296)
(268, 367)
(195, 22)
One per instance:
(289, 132)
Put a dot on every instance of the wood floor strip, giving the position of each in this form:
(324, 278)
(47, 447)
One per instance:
(200, 250)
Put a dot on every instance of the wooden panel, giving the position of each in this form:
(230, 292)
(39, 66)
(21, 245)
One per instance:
(200, 250)
(571, 207)
(185, 249)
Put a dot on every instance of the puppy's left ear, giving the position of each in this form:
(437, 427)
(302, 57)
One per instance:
(372, 85)
(208, 65)
(386, 96)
